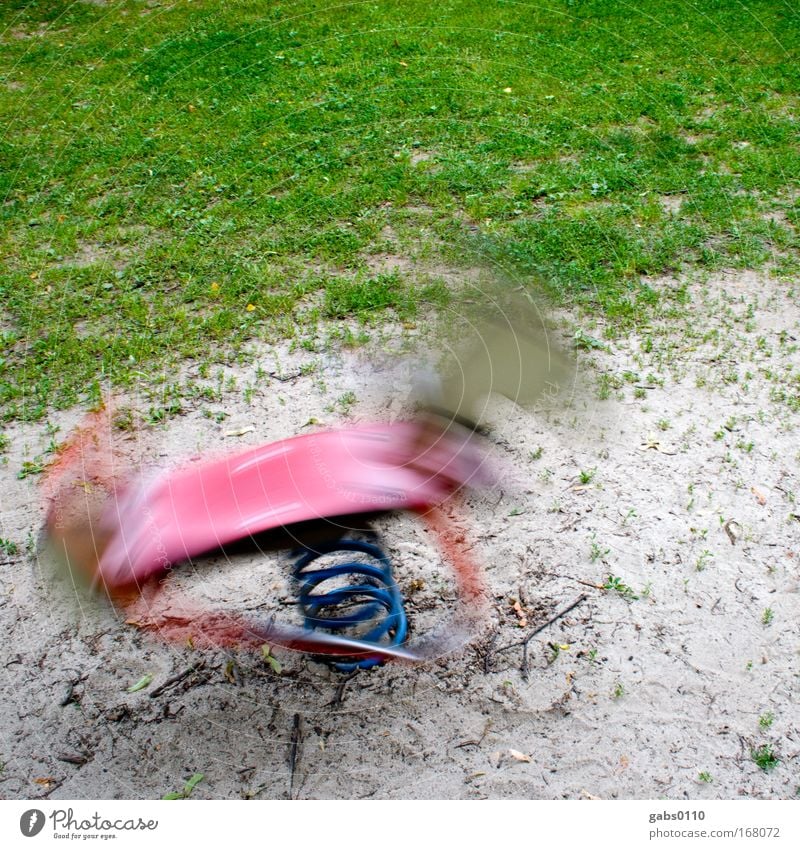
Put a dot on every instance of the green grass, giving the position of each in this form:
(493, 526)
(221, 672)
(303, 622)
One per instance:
(179, 178)
(765, 757)
(8, 547)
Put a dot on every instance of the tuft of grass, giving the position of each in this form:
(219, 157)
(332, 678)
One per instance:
(702, 561)
(8, 547)
(767, 616)
(597, 552)
(766, 719)
(705, 777)
(765, 757)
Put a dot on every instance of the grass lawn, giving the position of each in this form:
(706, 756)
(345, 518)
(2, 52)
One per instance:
(179, 177)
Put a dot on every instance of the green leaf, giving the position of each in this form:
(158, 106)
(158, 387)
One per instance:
(192, 783)
(271, 659)
(143, 682)
(187, 788)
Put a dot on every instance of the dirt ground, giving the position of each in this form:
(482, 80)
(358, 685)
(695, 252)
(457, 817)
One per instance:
(664, 506)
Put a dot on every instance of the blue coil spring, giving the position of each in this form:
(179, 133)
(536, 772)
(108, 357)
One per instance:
(362, 601)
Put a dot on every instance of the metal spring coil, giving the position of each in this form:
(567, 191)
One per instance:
(373, 597)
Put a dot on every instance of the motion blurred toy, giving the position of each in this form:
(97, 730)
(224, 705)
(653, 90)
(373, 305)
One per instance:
(302, 493)
(307, 493)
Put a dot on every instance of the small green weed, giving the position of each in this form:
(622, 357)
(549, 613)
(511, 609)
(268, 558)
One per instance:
(766, 720)
(597, 552)
(187, 788)
(270, 659)
(8, 547)
(765, 757)
(703, 559)
(583, 341)
(617, 585)
(30, 467)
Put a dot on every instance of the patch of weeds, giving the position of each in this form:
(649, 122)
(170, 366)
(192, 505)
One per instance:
(584, 342)
(348, 338)
(765, 757)
(596, 552)
(618, 691)
(344, 402)
(703, 560)
(639, 392)
(766, 719)
(536, 454)
(663, 424)
(187, 788)
(365, 297)
(631, 514)
(767, 616)
(8, 547)
(156, 415)
(605, 383)
(617, 585)
(586, 477)
(31, 467)
(4, 441)
(647, 590)
(705, 777)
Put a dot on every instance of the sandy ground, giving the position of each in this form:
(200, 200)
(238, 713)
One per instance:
(676, 492)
